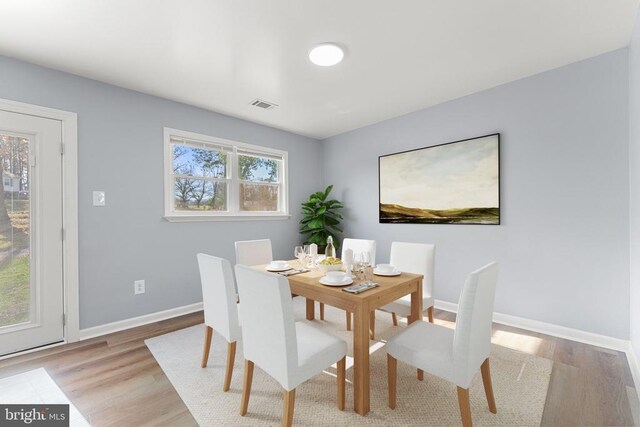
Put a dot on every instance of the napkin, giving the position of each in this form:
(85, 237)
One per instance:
(356, 289)
(292, 272)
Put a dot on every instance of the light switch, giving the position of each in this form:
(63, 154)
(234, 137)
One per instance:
(99, 198)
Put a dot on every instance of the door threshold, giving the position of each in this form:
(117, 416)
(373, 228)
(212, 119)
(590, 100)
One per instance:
(32, 350)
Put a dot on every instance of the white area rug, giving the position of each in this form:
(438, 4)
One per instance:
(37, 387)
(520, 383)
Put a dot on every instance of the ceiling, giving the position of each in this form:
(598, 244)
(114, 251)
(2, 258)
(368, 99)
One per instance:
(401, 56)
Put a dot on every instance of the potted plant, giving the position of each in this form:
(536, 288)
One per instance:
(321, 219)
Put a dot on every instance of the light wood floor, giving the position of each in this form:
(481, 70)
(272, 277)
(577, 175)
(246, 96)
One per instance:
(115, 381)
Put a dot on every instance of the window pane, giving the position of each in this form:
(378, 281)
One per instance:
(17, 291)
(200, 195)
(257, 169)
(258, 197)
(199, 162)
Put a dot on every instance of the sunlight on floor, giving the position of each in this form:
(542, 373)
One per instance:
(515, 341)
(447, 323)
(331, 374)
(36, 387)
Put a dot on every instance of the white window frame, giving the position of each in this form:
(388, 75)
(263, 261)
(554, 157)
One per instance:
(233, 212)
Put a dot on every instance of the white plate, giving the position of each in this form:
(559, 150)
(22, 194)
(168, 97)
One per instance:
(393, 273)
(345, 282)
(276, 269)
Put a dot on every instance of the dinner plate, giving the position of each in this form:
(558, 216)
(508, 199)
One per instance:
(393, 273)
(345, 282)
(277, 270)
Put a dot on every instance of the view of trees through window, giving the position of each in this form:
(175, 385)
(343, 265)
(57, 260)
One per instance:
(259, 188)
(202, 179)
(15, 289)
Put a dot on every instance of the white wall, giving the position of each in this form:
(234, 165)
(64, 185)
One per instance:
(634, 183)
(563, 244)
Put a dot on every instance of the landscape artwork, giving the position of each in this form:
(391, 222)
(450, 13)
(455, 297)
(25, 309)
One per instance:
(454, 183)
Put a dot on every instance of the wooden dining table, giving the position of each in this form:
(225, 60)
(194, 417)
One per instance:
(307, 285)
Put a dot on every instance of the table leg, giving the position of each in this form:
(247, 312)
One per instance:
(416, 313)
(361, 360)
(416, 304)
(311, 309)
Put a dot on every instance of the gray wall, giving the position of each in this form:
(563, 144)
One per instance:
(563, 244)
(634, 183)
(120, 137)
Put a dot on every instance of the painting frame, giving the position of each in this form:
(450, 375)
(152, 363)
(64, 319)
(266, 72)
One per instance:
(384, 217)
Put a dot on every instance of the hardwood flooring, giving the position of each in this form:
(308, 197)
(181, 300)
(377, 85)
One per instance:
(115, 381)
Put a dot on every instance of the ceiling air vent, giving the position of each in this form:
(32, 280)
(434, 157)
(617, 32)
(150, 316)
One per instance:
(265, 105)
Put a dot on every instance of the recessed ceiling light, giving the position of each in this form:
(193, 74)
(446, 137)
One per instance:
(326, 54)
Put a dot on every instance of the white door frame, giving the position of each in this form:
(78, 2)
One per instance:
(69, 149)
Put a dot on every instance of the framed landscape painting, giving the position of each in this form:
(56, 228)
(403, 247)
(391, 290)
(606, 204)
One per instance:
(454, 183)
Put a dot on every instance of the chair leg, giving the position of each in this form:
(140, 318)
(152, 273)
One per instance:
(208, 332)
(392, 375)
(394, 317)
(231, 358)
(372, 324)
(488, 388)
(465, 406)
(430, 314)
(289, 400)
(420, 375)
(342, 365)
(321, 311)
(348, 320)
(246, 389)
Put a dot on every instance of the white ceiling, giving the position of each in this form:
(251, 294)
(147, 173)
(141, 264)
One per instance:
(401, 56)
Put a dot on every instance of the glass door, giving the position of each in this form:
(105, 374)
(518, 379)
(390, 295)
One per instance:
(31, 282)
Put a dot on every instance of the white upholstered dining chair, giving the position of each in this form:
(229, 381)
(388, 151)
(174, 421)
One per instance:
(220, 308)
(358, 246)
(289, 351)
(254, 252)
(418, 258)
(454, 355)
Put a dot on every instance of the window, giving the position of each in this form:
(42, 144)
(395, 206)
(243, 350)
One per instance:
(209, 178)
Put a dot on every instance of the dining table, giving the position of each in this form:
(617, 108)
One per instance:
(390, 288)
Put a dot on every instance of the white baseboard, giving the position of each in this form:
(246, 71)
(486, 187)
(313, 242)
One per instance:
(133, 322)
(549, 329)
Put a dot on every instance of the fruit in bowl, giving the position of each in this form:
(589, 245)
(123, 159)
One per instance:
(330, 264)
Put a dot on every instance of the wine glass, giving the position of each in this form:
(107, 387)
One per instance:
(357, 264)
(298, 252)
(367, 268)
(307, 256)
(366, 258)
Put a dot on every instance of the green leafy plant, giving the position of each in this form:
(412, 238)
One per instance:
(321, 218)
